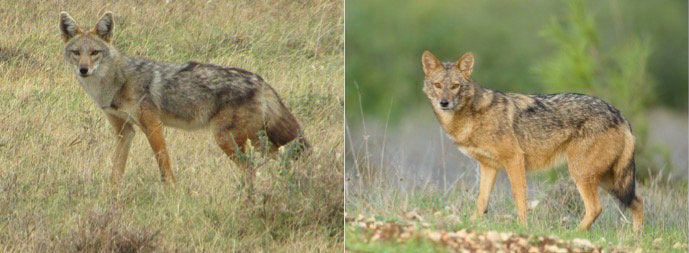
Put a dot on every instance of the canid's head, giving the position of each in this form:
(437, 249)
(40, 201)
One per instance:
(448, 85)
(86, 49)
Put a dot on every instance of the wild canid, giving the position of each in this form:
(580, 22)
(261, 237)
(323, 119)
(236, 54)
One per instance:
(235, 104)
(527, 132)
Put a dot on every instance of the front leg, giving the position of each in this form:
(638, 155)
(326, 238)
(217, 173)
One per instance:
(152, 127)
(124, 132)
(488, 175)
(516, 172)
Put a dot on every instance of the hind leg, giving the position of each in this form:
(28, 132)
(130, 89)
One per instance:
(590, 162)
(637, 208)
(586, 174)
(588, 166)
(232, 141)
(588, 189)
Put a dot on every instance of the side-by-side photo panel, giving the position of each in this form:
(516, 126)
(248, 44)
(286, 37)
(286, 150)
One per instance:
(172, 126)
(514, 127)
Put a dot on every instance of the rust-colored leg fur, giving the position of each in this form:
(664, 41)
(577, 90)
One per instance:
(588, 189)
(124, 132)
(153, 129)
(231, 134)
(637, 208)
(589, 163)
(516, 172)
(232, 142)
(585, 174)
(488, 175)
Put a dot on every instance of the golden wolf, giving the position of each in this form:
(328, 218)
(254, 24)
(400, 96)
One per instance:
(236, 104)
(520, 132)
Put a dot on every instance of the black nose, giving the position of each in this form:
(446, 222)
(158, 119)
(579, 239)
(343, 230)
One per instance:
(83, 71)
(444, 102)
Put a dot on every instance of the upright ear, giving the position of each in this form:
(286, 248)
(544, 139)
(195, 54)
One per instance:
(430, 63)
(68, 27)
(465, 64)
(104, 27)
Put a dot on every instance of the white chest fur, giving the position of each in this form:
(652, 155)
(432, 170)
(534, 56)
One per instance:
(101, 89)
(460, 132)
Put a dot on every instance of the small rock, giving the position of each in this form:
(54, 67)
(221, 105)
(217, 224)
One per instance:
(493, 236)
(434, 236)
(581, 243)
(554, 248)
(462, 234)
(521, 241)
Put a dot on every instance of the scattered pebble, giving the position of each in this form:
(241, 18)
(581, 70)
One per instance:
(469, 241)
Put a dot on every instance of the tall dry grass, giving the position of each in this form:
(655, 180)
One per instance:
(55, 145)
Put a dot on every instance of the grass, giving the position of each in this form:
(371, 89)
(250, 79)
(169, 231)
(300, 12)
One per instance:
(451, 213)
(55, 145)
(393, 173)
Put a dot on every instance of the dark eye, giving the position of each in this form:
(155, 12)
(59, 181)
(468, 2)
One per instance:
(96, 52)
(454, 86)
(438, 85)
(75, 52)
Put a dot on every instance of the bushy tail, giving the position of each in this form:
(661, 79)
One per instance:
(282, 128)
(624, 173)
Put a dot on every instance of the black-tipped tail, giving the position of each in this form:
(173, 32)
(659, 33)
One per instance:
(625, 183)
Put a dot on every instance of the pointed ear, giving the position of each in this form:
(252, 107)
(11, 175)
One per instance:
(465, 64)
(104, 27)
(430, 63)
(68, 27)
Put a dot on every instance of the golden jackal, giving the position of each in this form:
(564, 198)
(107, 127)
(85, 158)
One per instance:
(527, 132)
(237, 105)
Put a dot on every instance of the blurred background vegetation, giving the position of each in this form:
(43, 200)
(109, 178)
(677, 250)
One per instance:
(632, 54)
(519, 47)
